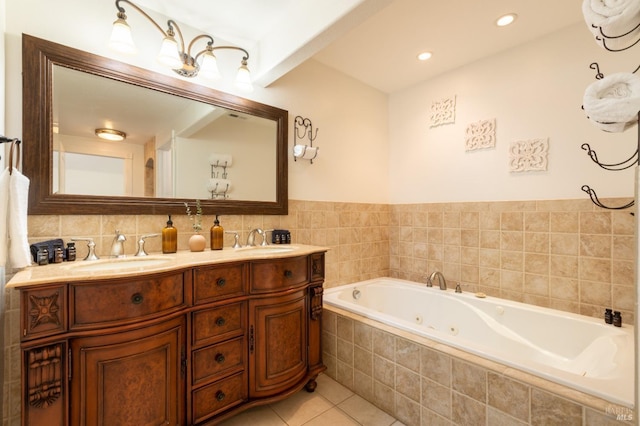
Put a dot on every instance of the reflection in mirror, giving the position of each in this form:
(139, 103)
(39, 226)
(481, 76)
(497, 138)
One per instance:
(175, 135)
(168, 147)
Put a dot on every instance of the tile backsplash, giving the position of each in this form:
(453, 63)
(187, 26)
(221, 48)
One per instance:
(564, 254)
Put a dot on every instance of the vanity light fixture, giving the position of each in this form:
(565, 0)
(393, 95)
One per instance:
(505, 20)
(174, 55)
(111, 134)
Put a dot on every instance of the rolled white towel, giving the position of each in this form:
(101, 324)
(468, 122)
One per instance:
(617, 20)
(221, 160)
(613, 102)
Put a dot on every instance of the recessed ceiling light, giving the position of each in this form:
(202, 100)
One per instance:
(505, 20)
(111, 134)
(424, 56)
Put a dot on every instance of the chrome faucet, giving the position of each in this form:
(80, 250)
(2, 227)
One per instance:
(117, 246)
(441, 281)
(91, 246)
(251, 238)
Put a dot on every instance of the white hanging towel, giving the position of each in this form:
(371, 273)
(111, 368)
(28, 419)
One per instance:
(612, 103)
(19, 253)
(4, 216)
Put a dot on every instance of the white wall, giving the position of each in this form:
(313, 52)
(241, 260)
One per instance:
(534, 91)
(351, 117)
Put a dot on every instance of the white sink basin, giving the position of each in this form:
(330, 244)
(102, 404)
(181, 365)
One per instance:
(119, 264)
(267, 249)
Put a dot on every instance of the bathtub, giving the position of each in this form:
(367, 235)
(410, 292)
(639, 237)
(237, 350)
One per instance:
(573, 350)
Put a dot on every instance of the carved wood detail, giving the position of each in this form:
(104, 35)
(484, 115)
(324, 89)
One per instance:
(44, 310)
(45, 375)
(316, 302)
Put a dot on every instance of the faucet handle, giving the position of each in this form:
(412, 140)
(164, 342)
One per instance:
(143, 238)
(236, 239)
(265, 241)
(91, 255)
(458, 288)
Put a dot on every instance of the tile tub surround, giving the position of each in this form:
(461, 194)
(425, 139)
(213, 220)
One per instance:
(568, 254)
(547, 253)
(422, 382)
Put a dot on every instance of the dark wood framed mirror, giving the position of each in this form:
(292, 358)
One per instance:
(262, 186)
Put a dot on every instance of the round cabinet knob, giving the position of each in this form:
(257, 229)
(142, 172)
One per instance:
(220, 321)
(137, 299)
(220, 395)
(220, 282)
(219, 358)
(288, 273)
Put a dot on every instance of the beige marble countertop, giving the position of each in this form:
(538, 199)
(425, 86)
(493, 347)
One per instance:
(105, 268)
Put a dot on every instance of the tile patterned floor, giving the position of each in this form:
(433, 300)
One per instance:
(330, 404)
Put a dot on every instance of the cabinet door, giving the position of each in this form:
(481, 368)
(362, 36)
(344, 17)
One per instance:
(277, 343)
(131, 378)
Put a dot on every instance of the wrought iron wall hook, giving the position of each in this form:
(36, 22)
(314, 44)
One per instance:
(597, 202)
(303, 129)
(307, 129)
(595, 66)
(623, 165)
(604, 44)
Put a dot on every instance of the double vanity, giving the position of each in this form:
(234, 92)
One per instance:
(187, 338)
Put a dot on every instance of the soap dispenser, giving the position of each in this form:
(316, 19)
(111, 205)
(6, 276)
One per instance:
(169, 238)
(217, 235)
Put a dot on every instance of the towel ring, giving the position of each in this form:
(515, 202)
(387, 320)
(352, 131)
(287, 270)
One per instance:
(14, 146)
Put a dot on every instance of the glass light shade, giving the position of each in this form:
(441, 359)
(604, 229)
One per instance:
(168, 55)
(243, 79)
(111, 134)
(121, 40)
(209, 67)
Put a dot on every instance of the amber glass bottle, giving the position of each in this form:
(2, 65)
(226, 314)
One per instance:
(169, 238)
(217, 235)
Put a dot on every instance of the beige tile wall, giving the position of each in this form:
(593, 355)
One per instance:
(423, 383)
(564, 254)
(567, 254)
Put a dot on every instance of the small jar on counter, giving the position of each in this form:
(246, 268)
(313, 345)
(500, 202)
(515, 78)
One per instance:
(71, 252)
(43, 256)
(58, 255)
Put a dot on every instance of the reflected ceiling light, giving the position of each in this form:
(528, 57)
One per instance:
(423, 56)
(173, 53)
(111, 134)
(505, 20)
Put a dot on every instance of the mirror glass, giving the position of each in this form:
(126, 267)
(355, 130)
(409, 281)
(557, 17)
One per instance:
(173, 146)
(182, 141)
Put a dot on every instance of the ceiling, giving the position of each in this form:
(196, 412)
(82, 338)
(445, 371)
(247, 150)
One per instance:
(374, 41)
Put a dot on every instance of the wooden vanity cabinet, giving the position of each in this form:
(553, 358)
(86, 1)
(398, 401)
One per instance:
(186, 347)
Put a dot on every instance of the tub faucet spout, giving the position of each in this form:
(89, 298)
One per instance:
(441, 280)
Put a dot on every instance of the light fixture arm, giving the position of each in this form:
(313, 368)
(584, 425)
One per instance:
(122, 15)
(245, 58)
(175, 55)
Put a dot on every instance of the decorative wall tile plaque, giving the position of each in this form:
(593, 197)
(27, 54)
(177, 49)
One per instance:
(443, 111)
(528, 155)
(481, 134)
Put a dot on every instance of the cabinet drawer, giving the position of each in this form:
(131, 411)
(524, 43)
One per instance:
(279, 274)
(213, 283)
(43, 311)
(218, 396)
(216, 324)
(213, 362)
(123, 300)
